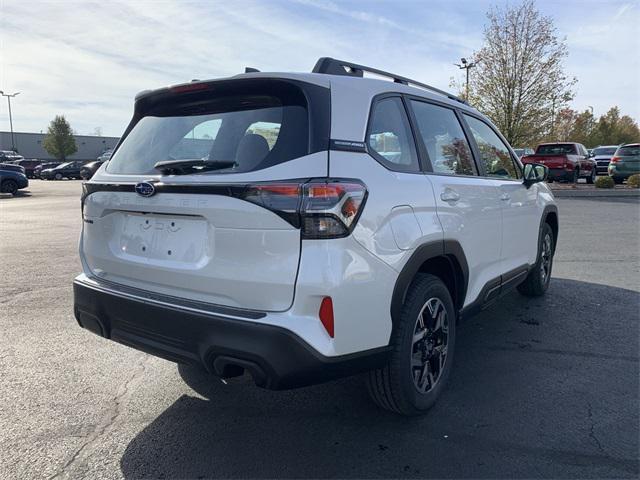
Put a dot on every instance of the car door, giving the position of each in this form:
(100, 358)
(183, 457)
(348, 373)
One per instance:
(468, 206)
(520, 212)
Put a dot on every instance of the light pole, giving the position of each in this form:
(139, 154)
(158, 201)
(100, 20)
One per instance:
(9, 96)
(466, 66)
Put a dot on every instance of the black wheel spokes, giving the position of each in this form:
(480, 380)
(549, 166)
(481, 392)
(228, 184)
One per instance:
(545, 254)
(429, 350)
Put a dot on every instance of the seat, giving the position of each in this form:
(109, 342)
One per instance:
(252, 150)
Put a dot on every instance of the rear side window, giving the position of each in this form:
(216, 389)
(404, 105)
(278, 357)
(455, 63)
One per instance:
(255, 126)
(390, 139)
(444, 139)
(494, 153)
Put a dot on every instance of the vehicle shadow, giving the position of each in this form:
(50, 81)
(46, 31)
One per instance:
(521, 402)
(19, 193)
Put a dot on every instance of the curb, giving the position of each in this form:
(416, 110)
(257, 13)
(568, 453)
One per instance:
(597, 193)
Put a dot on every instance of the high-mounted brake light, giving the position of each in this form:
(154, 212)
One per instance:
(190, 87)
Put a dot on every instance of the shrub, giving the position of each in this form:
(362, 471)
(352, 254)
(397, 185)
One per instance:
(605, 182)
(634, 180)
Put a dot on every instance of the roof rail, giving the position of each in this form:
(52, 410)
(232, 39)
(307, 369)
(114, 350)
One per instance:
(331, 66)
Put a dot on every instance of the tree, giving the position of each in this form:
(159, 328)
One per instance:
(519, 81)
(613, 129)
(59, 140)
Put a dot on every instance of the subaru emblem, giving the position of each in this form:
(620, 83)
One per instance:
(146, 189)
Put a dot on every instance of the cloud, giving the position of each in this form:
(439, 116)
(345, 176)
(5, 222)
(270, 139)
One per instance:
(87, 60)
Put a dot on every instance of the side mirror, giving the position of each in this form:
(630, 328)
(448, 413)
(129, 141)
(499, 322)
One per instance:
(534, 173)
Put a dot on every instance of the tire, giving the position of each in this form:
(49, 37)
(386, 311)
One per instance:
(9, 186)
(576, 175)
(592, 178)
(403, 386)
(537, 282)
(618, 180)
(58, 176)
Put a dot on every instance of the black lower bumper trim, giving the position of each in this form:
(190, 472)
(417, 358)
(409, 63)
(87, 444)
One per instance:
(275, 357)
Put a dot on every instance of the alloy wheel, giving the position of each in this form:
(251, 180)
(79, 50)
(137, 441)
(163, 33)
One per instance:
(545, 258)
(429, 347)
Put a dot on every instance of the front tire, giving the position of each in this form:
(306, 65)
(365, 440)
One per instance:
(422, 344)
(537, 282)
(58, 176)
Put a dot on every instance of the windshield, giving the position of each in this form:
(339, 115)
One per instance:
(63, 165)
(556, 149)
(245, 132)
(604, 151)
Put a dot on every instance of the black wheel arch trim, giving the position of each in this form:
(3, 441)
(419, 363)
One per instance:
(450, 250)
(550, 209)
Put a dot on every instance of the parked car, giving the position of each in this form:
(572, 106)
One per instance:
(12, 178)
(521, 152)
(7, 156)
(566, 161)
(315, 256)
(37, 170)
(29, 166)
(106, 155)
(88, 169)
(69, 170)
(602, 156)
(625, 162)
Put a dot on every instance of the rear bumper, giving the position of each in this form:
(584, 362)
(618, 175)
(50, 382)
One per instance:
(276, 357)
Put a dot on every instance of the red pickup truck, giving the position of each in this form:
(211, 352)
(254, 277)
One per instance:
(566, 161)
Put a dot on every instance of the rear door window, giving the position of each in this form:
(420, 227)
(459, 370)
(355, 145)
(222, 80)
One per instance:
(390, 139)
(444, 139)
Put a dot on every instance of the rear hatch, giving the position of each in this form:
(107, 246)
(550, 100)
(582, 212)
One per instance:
(627, 159)
(218, 222)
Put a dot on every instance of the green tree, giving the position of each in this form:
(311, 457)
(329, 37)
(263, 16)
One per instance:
(519, 80)
(613, 129)
(59, 140)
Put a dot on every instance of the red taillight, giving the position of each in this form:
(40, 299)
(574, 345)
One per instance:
(323, 209)
(331, 209)
(326, 315)
(614, 160)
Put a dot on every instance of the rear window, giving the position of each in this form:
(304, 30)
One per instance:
(254, 124)
(604, 151)
(629, 151)
(559, 149)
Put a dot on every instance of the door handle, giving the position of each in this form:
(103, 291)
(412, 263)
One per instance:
(505, 197)
(449, 195)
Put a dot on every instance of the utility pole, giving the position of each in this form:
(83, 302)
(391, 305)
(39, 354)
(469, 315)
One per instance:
(9, 96)
(466, 66)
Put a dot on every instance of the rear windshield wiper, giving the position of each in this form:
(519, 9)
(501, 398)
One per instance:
(192, 165)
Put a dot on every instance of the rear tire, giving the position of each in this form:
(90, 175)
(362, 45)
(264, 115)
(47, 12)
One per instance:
(422, 344)
(618, 180)
(592, 178)
(576, 175)
(537, 282)
(9, 186)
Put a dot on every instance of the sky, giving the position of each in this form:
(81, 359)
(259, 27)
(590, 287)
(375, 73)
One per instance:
(87, 60)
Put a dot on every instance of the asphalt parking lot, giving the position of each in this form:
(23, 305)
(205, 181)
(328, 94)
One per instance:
(544, 388)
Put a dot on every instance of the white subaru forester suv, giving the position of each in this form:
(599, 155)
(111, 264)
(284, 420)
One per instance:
(305, 227)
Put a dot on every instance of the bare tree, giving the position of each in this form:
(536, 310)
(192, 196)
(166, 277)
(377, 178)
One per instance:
(519, 81)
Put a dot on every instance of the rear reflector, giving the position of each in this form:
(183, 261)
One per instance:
(326, 315)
